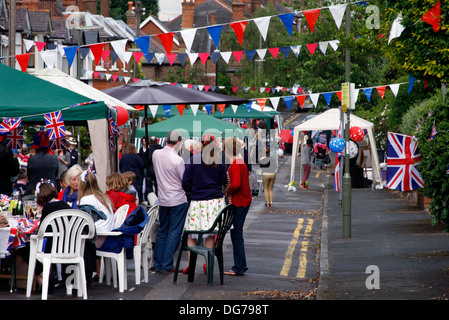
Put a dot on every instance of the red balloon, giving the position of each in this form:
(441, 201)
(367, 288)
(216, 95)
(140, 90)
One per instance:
(122, 116)
(356, 134)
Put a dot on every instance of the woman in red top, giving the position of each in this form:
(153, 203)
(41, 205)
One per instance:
(117, 185)
(239, 194)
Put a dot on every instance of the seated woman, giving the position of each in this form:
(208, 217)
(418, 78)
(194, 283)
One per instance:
(70, 194)
(117, 187)
(90, 194)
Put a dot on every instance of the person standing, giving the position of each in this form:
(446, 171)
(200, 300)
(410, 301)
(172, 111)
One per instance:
(9, 167)
(268, 166)
(306, 163)
(239, 194)
(143, 153)
(131, 161)
(169, 169)
(42, 165)
(73, 152)
(63, 162)
(152, 183)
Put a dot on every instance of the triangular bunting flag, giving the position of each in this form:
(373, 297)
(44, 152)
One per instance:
(328, 97)
(397, 28)
(28, 44)
(311, 17)
(433, 16)
(338, 12)
(188, 35)
(208, 108)
(203, 56)
(127, 55)
(143, 43)
(149, 56)
(215, 33)
(215, 56)
(119, 46)
(171, 58)
(261, 53)
(167, 40)
(411, 84)
(334, 44)
(296, 49)
(381, 91)
(288, 101)
(287, 19)
(239, 29)
(394, 88)
(167, 109)
(96, 50)
(314, 97)
(49, 57)
(160, 57)
(192, 57)
(237, 55)
(234, 107)
(222, 107)
(311, 47)
(368, 92)
(263, 24)
(301, 99)
(274, 52)
(40, 45)
(70, 53)
(194, 108)
(105, 54)
(261, 103)
(275, 102)
(182, 57)
(285, 51)
(323, 46)
(226, 56)
(181, 108)
(338, 93)
(153, 109)
(138, 56)
(23, 59)
(250, 54)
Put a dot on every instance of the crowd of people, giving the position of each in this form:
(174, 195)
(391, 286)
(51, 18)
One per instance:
(190, 195)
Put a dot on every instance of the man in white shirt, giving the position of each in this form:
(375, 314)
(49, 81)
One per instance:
(173, 205)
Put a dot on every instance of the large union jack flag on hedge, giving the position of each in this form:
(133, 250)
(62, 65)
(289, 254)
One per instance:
(55, 125)
(402, 156)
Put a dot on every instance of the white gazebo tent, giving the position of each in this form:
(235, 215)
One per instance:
(330, 120)
(97, 128)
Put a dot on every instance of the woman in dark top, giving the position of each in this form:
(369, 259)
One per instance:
(131, 161)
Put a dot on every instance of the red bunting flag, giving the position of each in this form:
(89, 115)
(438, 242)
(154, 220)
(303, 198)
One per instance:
(239, 29)
(23, 59)
(96, 74)
(433, 16)
(167, 40)
(171, 57)
(203, 56)
(222, 107)
(139, 107)
(181, 108)
(237, 55)
(338, 93)
(138, 55)
(40, 45)
(311, 47)
(97, 50)
(105, 54)
(234, 89)
(261, 103)
(274, 52)
(114, 77)
(381, 91)
(312, 17)
(301, 99)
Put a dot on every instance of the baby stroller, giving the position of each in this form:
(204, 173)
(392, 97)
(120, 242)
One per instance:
(322, 158)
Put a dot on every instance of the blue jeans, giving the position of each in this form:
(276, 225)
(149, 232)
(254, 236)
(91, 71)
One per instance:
(238, 243)
(171, 224)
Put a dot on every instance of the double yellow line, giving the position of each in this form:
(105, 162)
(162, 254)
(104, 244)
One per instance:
(303, 250)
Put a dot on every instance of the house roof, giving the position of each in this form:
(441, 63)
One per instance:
(40, 21)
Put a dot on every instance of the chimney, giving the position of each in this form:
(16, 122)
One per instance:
(255, 4)
(104, 7)
(49, 5)
(188, 14)
(212, 19)
(238, 10)
(131, 16)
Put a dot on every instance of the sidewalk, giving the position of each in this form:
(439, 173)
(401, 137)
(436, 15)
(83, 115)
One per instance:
(389, 232)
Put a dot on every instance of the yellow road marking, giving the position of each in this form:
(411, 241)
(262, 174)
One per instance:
(317, 174)
(291, 249)
(304, 247)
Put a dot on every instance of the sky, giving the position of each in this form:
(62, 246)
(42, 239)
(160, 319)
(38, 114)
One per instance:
(169, 9)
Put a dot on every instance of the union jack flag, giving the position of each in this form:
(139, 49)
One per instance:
(113, 132)
(402, 156)
(10, 124)
(420, 121)
(55, 125)
(433, 133)
(58, 144)
(337, 173)
(5, 198)
(447, 170)
(15, 138)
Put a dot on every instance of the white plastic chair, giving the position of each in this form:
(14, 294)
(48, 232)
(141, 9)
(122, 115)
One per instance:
(143, 250)
(69, 230)
(119, 217)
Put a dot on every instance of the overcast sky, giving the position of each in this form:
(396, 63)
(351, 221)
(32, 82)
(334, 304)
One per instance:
(169, 9)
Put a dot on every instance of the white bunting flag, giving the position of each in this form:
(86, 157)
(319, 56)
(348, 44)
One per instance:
(323, 46)
(234, 107)
(261, 53)
(396, 28)
(263, 24)
(119, 47)
(188, 35)
(226, 56)
(28, 44)
(192, 57)
(296, 49)
(314, 97)
(153, 109)
(49, 57)
(160, 56)
(275, 102)
(108, 76)
(61, 50)
(128, 56)
(394, 88)
(338, 12)
(194, 108)
(334, 44)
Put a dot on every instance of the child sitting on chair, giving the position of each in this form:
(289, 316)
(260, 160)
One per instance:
(117, 192)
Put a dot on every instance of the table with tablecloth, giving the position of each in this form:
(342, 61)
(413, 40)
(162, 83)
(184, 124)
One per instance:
(17, 234)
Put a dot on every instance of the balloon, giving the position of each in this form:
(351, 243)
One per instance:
(337, 145)
(356, 134)
(122, 116)
(280, 152)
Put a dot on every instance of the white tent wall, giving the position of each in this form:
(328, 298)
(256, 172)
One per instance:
(99, 136)
(330, 120)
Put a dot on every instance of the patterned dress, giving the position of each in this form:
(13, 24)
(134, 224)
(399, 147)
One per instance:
(202, 213)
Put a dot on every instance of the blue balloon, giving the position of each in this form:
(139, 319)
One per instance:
(337, 145)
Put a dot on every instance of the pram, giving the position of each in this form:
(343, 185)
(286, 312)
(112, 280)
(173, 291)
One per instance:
(321, 155)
